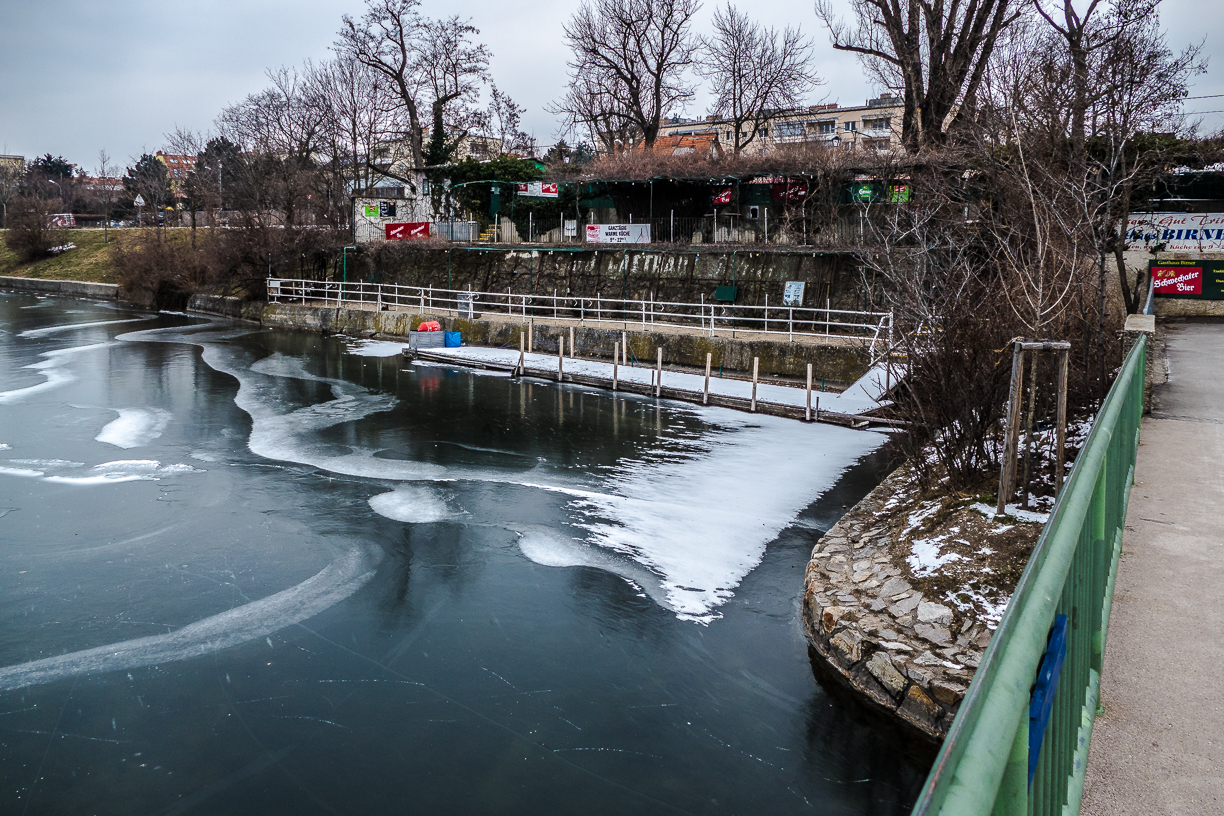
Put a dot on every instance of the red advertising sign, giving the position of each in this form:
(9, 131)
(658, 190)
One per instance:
(790, 191)
(723, 196)
(1178, 280)
(400, 232)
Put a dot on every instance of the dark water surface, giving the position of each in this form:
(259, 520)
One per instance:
(253, 572)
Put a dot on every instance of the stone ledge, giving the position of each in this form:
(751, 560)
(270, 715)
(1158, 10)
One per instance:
(50, 286)
(894, 647)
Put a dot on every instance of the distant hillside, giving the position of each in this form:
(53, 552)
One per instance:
(90, 261)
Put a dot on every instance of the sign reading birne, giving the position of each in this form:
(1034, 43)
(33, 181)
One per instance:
(1188, 279)
(1176, 232)
(402, 232)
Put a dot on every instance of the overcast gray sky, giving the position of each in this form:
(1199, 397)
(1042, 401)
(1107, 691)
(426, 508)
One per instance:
(82, 75)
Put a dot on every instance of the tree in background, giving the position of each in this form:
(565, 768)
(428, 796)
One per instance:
(150, 180)
(628, 66)
(12, 174)
(754, 71)
(428, 65)
(933, 53)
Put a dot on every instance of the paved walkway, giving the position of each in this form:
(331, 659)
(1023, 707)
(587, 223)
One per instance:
(1159, 747)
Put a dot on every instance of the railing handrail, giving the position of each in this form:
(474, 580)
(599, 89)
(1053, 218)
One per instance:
(439, 293)
(978, 762)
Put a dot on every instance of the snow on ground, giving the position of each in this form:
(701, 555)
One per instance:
(1013, 510)
(372, 348)
(859, 398)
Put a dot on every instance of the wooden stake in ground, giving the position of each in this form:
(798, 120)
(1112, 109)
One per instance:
(560, 357)
(615, 363)
(522, 355)
(571, 342)
(1028, 431)
(705, 395)
(755, 362)
(531, 335)
(624, 348)
(1063, 358)
(659, 374)
(1007, 471)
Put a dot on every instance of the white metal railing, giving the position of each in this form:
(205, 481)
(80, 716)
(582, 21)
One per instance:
(711, 318)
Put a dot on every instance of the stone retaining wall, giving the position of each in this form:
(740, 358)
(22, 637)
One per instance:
(840, 364)
(103, 291)
(879, 634)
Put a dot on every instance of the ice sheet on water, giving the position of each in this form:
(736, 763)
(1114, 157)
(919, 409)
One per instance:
(49, 330)
(413, 503)
(372, 348)
(51, 370)
(134, 427)
(551, 548)
(124, 470)
(257, 619)
(702, 522)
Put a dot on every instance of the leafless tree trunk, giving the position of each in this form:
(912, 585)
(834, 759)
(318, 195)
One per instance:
(754, 71)
(638, 49)
(934, 54)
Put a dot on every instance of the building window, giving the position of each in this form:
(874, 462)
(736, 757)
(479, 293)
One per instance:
(826, 127)
(881, 124)
(851, 126)
(787, 130)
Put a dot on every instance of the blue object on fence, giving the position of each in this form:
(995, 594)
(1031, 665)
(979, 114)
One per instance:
(1042, 700)
(453, 339)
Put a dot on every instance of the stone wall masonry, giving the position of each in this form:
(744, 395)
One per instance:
(629, 273)
(102, 291)
(837, 364)
(880, 635)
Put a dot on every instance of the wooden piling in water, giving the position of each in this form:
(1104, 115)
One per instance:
(705, 394)
(755, 363)
(659, 373)
(615, 363)
(807, 414)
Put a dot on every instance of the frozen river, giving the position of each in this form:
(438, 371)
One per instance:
(266, 572)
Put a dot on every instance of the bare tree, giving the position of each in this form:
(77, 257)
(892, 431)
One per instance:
(504, 117)
(638, 49)
(427, 65)
(595, 107)
(934, 54)
(755, 71)
(11, 175)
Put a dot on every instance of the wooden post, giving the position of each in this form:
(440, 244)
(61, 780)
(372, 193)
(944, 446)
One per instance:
(1028, 430)
(807, 414)
(755, 362)
(531, 335)
(705, 395)
(615, 363)
(560, 357)
(659, 373)
(1007, 484)
(522, 355)
(1063, 357)
(624, 348)
(571, 342)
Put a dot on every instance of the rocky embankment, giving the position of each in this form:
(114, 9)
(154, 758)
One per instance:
(893, 629)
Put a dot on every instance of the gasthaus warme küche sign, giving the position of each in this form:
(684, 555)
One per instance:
(1203, 280)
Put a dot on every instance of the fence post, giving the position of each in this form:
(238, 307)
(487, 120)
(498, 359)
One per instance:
(755, 362)
(615, 361)
(1006, 483)
(790, 326)
(571, 342)
(659, 373)
(531, 335)
(560, 357)
(767, 313)
(522, 355)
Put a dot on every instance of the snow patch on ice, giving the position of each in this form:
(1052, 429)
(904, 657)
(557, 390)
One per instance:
(372, 348)
(251, 621)
(413, 504)
(134, 427)
(49, 330)
(50, 369)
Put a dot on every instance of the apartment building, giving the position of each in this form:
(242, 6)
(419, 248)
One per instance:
(873, 126)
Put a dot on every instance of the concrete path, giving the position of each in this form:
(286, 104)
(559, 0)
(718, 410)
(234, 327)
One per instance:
(1159, 747)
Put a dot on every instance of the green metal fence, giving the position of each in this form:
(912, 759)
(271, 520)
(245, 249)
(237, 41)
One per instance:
(983, 767)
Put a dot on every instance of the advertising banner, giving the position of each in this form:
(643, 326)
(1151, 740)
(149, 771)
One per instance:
(792, 295)
(539, 189)
(618, 233)
(722, 196)
(1189, 279)
(1179, 232)
(402, 232)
